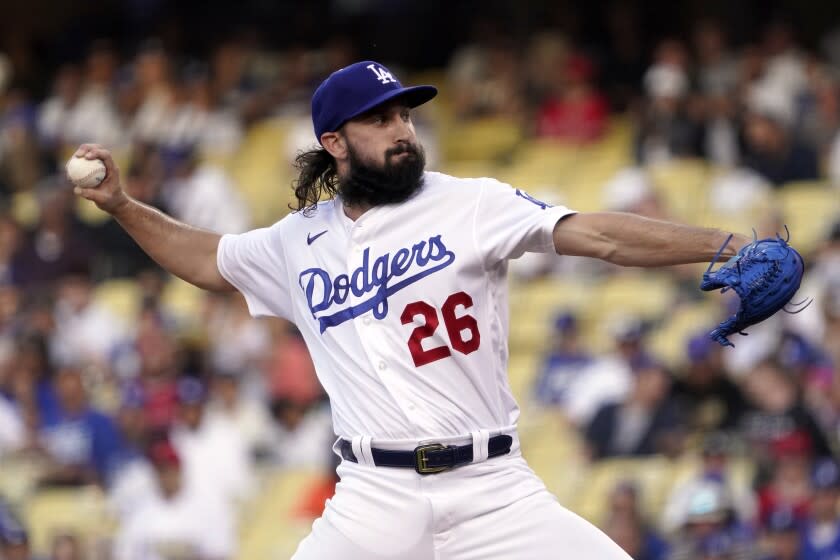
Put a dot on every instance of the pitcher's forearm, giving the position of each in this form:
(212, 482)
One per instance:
(185, 251)
(632, 240)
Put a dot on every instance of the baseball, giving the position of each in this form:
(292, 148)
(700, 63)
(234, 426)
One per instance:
(85, 173)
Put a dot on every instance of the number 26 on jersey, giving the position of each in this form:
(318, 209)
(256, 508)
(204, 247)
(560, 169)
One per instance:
(462, 329)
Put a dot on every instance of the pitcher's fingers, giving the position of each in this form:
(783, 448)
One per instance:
(84, 149)
(105, 155)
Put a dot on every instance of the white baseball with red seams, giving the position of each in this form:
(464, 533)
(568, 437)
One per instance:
(85, 173)
(404, 312)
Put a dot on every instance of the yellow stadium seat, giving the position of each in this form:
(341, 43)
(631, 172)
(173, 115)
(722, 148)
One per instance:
(81, 511)
(645, 295)
(184, 301)
(484, 139)
(809, 208)
(669, 341)
(121, 297)
(262, 172)
(25, 209)
(272, 531)
(683, 184)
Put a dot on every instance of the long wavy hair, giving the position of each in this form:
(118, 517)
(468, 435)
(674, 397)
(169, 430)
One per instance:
(317, 179)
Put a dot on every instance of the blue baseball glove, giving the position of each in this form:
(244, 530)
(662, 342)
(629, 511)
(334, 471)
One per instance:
(765, 274)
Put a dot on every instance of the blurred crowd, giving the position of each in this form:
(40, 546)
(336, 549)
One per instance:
(770, 106)
(174, 417)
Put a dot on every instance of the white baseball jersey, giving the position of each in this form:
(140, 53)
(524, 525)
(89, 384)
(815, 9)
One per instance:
(404, 310)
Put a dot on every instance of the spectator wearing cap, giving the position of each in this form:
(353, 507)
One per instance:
(215, 458)
(821, 531)
(177, 520)
(645, 423)
(710, 517)
(133, 481)
(782, 535)
(82, 442)
(564, 363)
(714, 469)
(704, 392)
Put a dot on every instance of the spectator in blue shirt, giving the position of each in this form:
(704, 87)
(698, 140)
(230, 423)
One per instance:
(821, 534)
(82, 442)
(564, 363)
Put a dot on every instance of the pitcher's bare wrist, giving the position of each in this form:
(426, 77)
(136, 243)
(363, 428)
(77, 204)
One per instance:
(120, 204)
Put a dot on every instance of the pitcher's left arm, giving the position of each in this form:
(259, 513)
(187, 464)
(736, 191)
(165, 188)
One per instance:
(632, 240)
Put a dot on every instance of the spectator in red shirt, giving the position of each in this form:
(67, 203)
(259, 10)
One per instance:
(576, 111)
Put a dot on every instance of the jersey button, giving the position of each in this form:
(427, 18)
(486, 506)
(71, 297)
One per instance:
(366, 320)
(383, 365)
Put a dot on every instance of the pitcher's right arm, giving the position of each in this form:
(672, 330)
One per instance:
(185, 251)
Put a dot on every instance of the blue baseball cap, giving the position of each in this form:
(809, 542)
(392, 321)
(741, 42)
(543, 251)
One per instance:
(357, 88)
(826, 475)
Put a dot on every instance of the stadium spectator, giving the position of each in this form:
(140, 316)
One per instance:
(564, 363)
(821, 531)
(85, 330)
(777, 421)
(12, 430)
(81, 442)
(133, 479)
(57, 246)
(215, 459)
(20, 167)
(153, 367)
(669, 125)
(708, 399)
(715, 468)
(94, 114)
(302, 434)
(202, 194)
(67, 546)
(575, 110)
(177, 520)
(782, 535)
(14, 539)
(237, 344)
(711, 529)
(627, 525)
(250, 416)
(773, 152)
(55, 112)
(484, 75)
(646, 423)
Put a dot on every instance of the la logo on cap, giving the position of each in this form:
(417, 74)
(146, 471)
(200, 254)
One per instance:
(381, 74)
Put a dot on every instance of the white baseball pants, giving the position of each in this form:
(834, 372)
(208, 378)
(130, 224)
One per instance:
(493, 510)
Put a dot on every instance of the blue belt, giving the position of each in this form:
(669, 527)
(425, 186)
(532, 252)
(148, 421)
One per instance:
(430, 458)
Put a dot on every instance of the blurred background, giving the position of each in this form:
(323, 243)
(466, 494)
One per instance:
(142, 418)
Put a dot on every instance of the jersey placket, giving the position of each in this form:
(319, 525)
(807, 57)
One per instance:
(379, 355)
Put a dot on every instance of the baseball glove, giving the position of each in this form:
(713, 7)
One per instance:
(765, 274)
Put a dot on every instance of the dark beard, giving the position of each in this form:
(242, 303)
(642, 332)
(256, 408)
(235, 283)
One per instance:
(393, 182)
